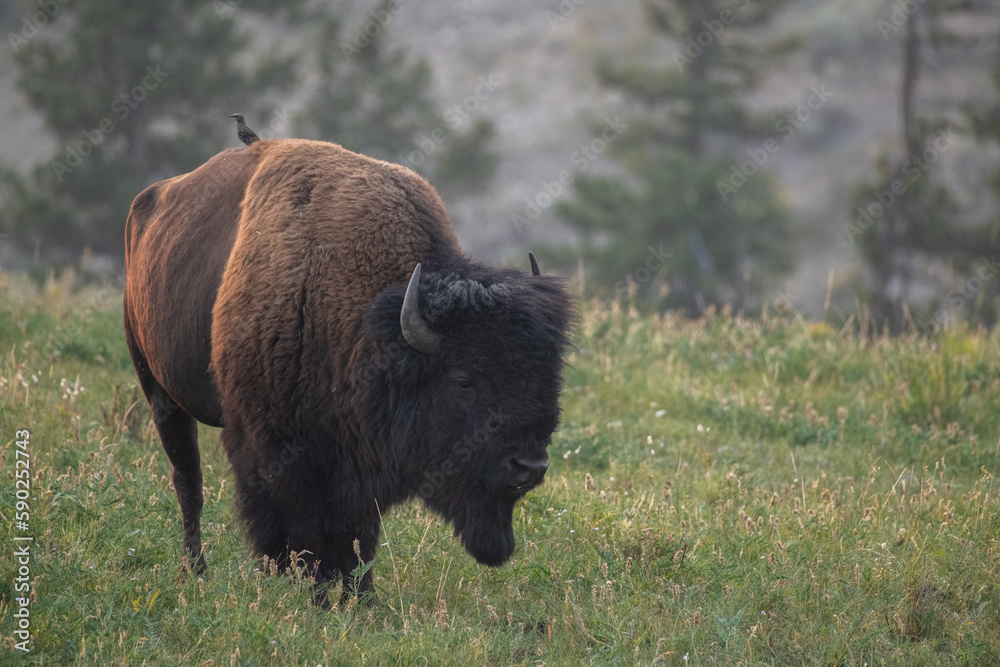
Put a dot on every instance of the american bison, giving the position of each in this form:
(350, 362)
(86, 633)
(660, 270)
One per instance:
(315, 303)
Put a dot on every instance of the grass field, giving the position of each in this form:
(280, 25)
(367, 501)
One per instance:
(723, 491)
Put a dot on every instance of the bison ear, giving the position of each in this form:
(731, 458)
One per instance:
(535, 271)
(415, 329)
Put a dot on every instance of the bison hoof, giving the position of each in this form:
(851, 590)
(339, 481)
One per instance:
(320, 597)
(196, 566)
(365, 595)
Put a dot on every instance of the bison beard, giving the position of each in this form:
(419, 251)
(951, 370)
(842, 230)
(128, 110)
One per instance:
(488, 532)
(316, 304)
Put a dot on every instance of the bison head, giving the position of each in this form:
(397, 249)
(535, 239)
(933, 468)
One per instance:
(460, 385)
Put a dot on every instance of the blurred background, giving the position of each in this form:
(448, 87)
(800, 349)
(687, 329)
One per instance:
(839, 158)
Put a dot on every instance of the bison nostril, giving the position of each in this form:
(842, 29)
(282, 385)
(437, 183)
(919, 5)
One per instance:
(528, 470)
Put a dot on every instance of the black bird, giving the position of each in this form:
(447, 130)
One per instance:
(245, 134)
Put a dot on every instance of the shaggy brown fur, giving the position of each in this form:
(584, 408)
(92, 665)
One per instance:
(331, 229)
(178, 238)
(264, 292)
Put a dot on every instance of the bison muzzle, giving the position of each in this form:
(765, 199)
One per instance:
(315, 304)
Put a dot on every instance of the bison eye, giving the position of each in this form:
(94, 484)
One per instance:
(460, 378)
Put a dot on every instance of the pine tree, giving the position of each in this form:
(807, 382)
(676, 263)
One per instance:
(979, 293)
(906, 222)
(137, 92)
(132, 92)
(375, 100)
(689, 193)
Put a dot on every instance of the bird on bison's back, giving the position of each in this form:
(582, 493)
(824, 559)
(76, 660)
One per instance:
(243, 130)
(316, 304)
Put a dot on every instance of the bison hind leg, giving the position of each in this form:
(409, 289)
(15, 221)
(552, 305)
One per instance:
(179, 436)
(178, 432)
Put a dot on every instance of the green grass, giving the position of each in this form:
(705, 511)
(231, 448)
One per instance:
(723, 491)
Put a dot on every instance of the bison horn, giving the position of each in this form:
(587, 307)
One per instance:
(415, 330)
(535, 271)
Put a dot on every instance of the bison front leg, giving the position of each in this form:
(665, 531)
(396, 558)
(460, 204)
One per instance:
(346, 558)
(257, 498)
(342, 556)
(353, 552)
